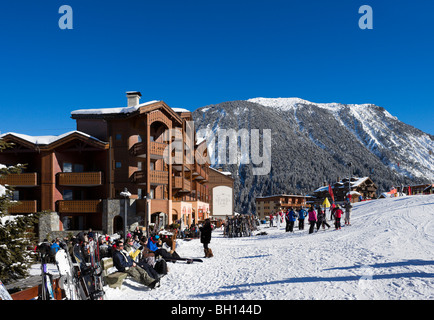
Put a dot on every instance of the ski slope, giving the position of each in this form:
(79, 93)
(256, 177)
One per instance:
(387, 253)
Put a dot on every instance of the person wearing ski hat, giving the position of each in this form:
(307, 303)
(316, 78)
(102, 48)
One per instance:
(338, 215)
(123, 263)
(312, 219)
(153, 243)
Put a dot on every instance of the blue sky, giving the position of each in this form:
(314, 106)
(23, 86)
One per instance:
(194, 53)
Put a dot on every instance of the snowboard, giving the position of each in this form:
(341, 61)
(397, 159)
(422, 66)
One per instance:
(88, 280)
(4, 294)
(188, 260)
(66, 271)
(96, 266)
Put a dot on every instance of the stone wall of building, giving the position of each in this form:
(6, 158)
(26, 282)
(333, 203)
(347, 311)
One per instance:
(113, 216)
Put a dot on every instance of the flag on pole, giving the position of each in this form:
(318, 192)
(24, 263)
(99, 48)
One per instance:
(331, 194)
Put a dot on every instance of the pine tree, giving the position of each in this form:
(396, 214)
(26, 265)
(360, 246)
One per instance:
(15, 232)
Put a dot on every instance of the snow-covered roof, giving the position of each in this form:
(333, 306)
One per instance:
(353, 193)
(283, 195)
(359, 181)
(45, 140)
(180, 110)
(321, 189)
(226, 173)
(113, 110)
(199, 140)
(340, 184)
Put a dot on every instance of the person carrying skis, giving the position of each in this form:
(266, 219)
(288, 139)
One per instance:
(338, 214)
(312, 219)
(301, 216)
(123, 263)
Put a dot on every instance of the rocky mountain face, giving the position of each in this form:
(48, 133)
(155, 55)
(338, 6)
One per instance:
(304, 145)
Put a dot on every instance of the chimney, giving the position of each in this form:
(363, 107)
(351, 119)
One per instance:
(133, 98)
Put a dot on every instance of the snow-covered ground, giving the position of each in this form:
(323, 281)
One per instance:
(387, 253)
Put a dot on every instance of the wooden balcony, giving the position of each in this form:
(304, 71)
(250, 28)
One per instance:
(200, 192)
(156, 177)
(81, 179)
(156, 150)
(79, 206)
(159, 177)
(24, 206)
(180, 162)
(200, 172)
(183, 185)
(20, 179)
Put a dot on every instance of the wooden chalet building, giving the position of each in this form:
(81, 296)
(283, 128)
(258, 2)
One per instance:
(80, 175)
(427, 188)
(271, 204)
(360, 187)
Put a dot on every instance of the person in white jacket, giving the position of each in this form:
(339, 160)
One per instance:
(278, 217)
(348, 206)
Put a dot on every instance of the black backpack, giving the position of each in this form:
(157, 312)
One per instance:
(161, 266)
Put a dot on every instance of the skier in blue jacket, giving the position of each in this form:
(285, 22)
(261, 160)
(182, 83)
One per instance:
(301, 216)
(291, 217)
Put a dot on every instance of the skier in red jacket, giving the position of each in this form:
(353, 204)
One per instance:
(338, 215)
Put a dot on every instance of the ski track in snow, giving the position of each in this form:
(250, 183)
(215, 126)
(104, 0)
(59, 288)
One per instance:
(387, 253)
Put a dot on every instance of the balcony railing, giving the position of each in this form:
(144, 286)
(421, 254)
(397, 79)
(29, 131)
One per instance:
(24, 206)
(79, 206)
(180, 183)
(179, 161)
(20, 179)
(156, 149)
(200, 172)
(200, 192)
(157, 177)
(82, 179)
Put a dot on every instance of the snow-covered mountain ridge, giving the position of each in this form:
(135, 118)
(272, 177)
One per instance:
(286, 104)
(373, 127)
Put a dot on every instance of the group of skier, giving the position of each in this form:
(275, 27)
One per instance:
(316, 217)
(79, 262)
